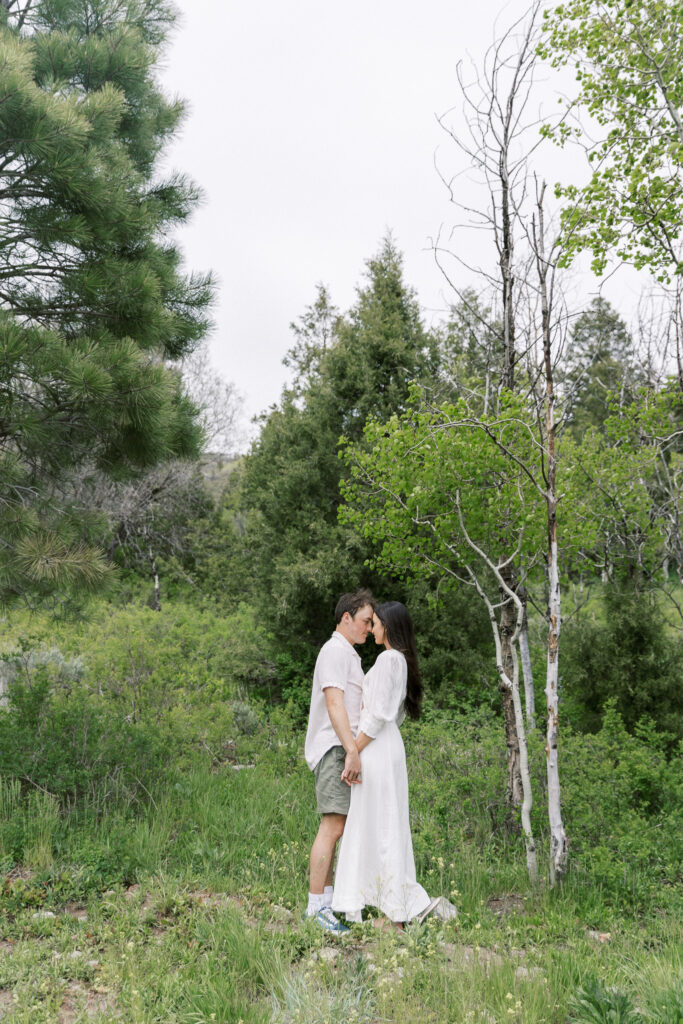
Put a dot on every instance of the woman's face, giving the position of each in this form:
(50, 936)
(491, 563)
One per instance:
(378, 630)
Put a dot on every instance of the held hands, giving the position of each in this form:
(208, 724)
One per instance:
(352, 769)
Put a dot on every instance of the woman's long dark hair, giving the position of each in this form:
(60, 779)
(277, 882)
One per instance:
(398, 625)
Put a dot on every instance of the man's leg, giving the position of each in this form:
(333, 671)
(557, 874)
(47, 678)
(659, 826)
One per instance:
(333, 798)
(322, 852)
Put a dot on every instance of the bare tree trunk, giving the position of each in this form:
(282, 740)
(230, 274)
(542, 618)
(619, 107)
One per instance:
(156, 599)
(527, 672)
(510, 683)
(506, 254)
(494, 107)
(558, 840)
(507, 630)
(508, 624)
(531, 860)
(559, 850)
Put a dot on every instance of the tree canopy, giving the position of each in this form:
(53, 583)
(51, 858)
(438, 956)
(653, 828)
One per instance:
(628, 58)
(345, 369)
(94, 299)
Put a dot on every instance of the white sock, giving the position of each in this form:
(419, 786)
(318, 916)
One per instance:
(328, 894)
(316, 902)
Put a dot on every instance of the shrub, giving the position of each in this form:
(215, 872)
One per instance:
(60, 738)
(628, 656)
(622, 799)
(133, 690)
(594, 1004)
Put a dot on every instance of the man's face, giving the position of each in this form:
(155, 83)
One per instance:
(360, 625)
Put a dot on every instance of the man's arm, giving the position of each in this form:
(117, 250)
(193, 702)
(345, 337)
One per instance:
(336, 709)
(361, 743)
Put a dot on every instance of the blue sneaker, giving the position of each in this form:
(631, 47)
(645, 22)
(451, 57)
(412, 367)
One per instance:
(329, 922)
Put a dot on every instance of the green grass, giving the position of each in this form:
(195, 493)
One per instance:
(183, 904)
(190, 911)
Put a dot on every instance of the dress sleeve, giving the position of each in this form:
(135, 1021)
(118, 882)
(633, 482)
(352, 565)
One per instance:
(385, 694)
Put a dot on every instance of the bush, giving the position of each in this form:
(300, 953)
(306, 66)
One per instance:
(627, 655)
(623, 807)
(594, 1004)
(622, 800)
(136, 690)
(150, 661)
(56, 736)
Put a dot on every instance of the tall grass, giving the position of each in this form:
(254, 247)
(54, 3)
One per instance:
(193, 874)
(40, 830)
(221, 856)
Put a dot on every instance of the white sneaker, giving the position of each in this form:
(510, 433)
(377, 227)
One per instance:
(433, 904)
(329, 922)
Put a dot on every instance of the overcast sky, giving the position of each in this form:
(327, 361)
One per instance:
(312, 131)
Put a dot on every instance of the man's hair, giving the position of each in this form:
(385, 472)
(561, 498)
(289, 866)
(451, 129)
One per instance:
(352, 603)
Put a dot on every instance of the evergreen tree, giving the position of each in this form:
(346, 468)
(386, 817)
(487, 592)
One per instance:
(599, 363)
(94, 302)
(472, 349)
(628, 656)
(346, 370)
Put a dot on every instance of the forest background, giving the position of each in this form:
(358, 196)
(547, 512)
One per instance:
(512, 473)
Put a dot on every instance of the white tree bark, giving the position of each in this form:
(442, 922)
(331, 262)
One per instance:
(531, 859)
(511, 684)
(558, 838)
(156, 599)
(527, 672)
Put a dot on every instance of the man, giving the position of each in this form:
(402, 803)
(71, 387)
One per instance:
(331, 746)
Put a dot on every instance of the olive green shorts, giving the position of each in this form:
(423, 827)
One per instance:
(332, 794)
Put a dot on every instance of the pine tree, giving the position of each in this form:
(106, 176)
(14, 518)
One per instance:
(599, 363)
(94, 301)
(347, 369)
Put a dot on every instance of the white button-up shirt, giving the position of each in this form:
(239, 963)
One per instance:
(338, 665)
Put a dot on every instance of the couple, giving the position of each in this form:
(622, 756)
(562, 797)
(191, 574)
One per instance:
(363, 801)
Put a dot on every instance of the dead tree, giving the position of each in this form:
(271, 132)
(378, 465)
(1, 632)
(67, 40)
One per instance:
(497, 142)
(545, 268)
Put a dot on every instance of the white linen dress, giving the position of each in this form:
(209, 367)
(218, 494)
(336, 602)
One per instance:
(376, 866)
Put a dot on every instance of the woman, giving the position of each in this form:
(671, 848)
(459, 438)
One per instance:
(376, 865)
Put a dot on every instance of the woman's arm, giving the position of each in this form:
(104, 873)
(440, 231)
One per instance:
(383, 699)
(362, 740)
